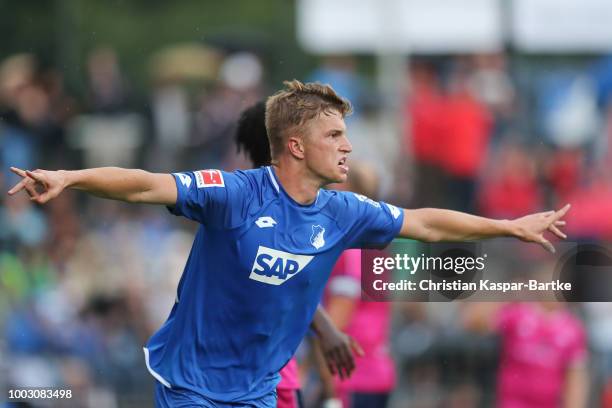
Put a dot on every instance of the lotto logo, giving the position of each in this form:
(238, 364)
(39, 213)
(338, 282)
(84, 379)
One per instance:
(395, 212)
(276, 267)
(209, 178)
(185, 179)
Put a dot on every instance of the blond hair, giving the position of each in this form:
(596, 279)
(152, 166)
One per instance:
(292, 107)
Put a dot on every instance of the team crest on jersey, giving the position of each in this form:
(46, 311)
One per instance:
(276, 267)
(316, 239)
(209, 178)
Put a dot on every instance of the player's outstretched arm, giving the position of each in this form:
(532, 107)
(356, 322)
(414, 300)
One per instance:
(433, 225)
(130, 185)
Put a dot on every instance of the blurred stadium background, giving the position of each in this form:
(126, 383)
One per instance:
(495, 107)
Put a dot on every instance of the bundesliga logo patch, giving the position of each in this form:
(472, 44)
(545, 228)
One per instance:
(209, 178)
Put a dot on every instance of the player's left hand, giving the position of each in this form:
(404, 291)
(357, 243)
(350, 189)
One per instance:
(41, 185)
(339, 350)
(531, 228)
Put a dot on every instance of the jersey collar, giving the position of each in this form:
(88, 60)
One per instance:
(279, 189)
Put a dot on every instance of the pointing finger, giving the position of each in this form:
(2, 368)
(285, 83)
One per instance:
(557, 232)
(36, 176)
(18, 172)
(562, 212)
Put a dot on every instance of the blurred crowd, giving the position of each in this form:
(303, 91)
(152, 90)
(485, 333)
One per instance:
(84, 282)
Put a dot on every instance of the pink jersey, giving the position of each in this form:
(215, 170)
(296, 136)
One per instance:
(289, 376)
(537, 349)
(369, 325)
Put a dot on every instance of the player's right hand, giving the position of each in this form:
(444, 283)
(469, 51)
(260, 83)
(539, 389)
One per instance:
(339, 350)
(41, 185)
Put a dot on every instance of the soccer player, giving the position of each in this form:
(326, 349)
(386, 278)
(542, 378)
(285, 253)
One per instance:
(337, 347)
(268, 240)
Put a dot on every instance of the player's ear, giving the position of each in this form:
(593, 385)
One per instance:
(295, 145)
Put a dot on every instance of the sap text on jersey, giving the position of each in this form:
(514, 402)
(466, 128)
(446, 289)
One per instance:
(276, 267)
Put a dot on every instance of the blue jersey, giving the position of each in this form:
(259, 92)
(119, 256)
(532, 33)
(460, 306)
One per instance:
(254, 278)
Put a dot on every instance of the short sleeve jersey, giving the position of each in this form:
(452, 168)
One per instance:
(254, 278)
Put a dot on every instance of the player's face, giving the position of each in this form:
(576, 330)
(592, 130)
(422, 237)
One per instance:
(326, 148)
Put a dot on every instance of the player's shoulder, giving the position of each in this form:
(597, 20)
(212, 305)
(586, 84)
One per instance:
(244, 180)
(336, 196)
(343, 206)
(258, 186)
(339, 199)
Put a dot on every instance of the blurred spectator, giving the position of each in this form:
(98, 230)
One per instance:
(23, 225)
(107, 87)
(564, 171)
(510, 188)
(601, 72)
(341, 73)
(567, 109)
(16, 73)
(466, 133)
(543, 354)
(423, 134)
(176, 71)
(590, 199)
(492, 85)
(239, 87)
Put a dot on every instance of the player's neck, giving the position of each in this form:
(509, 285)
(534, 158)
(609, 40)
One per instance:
(296, 182)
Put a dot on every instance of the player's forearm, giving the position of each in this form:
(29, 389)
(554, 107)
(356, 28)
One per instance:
(447, 225)
(321, 322)
(110, 182)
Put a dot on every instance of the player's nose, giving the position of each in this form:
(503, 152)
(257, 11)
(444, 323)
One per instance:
(346, 146)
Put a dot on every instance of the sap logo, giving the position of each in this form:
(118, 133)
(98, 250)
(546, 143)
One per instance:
(276, 267)
(265, 222)
(395, 212)
(185, 179)
(316, 239)
(365, 199)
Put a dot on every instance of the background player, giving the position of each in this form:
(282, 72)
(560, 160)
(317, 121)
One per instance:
(543, 356)
(268, 240)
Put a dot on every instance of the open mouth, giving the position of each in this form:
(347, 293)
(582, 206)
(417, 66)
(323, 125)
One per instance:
(342, 164)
